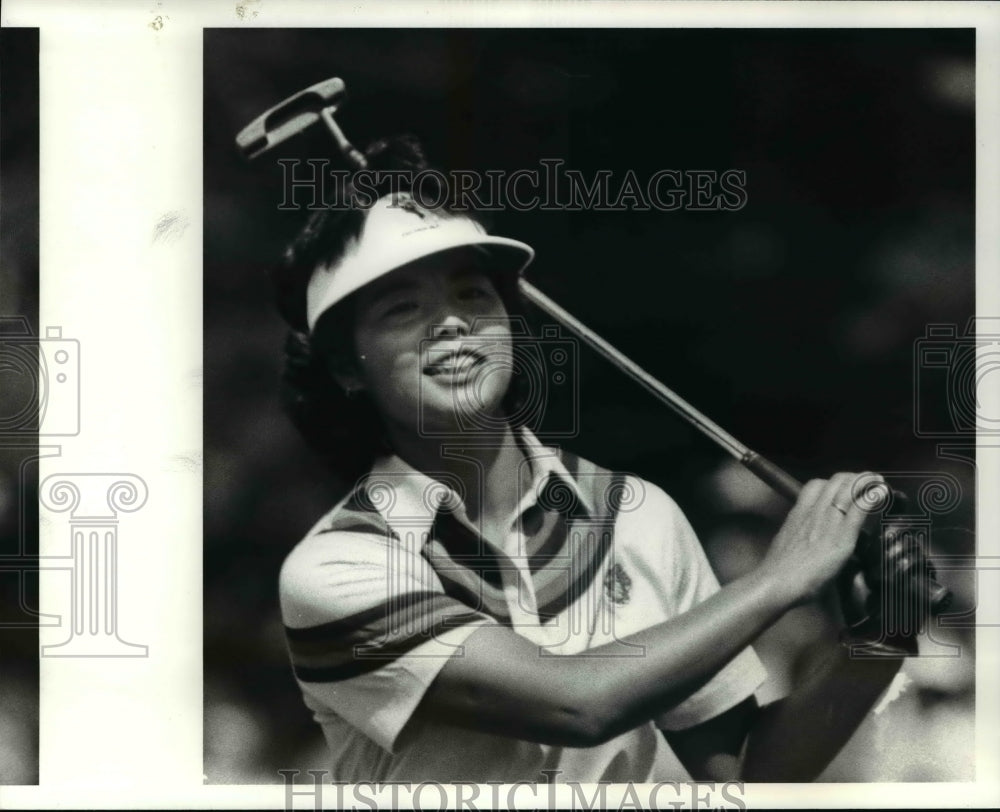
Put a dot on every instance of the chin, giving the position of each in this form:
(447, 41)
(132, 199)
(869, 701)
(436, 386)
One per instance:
(474, 406)
(484, 405)
(458, 418)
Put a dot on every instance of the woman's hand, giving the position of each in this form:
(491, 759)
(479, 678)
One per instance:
(820, 533)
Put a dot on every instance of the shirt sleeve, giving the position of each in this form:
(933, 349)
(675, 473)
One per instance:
(368, 628)
(686, 568)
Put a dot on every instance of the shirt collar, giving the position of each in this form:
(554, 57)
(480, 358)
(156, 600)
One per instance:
(410, 499)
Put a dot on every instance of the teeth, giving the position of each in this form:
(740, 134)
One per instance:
(455, 364)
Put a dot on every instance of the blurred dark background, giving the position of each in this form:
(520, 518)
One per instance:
(792, 322)
(18, 420)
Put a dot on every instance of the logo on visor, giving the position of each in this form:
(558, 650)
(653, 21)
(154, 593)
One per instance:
(410, 205)
(430, 220)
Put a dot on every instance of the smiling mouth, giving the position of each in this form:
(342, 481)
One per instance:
(454, 364)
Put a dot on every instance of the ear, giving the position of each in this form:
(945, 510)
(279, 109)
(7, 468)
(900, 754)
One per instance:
(333, 346)
(346, 373)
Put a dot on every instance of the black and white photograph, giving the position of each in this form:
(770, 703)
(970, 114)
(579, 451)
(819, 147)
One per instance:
(499, 404)
(485, 314)
(19, 406)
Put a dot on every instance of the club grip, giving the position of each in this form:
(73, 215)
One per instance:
(770, 474)
(938, 596)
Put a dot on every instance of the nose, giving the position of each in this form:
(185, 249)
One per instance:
(451, 325)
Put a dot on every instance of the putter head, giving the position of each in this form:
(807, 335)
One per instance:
(289, 117)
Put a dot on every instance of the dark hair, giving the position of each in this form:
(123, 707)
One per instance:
(347, 431)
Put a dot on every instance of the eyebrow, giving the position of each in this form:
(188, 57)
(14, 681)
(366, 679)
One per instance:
(467, 270)
(406, 284)
(395, 286)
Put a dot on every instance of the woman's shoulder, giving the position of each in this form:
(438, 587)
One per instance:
(348, 535)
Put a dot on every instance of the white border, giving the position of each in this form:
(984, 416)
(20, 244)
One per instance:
(120, 147)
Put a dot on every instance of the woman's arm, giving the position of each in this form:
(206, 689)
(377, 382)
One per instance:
(502, 684)
(795, 738)
(834, 697)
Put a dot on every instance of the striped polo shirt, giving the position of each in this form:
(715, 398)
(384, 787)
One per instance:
(387, 586)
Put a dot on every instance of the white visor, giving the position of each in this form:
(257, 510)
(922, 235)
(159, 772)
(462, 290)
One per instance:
(396, 232)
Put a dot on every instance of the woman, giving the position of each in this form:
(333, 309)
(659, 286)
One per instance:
(482, 608)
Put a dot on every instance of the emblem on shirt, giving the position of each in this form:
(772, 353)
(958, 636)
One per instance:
(618, 585)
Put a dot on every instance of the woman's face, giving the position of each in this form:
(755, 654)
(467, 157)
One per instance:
(433, 345)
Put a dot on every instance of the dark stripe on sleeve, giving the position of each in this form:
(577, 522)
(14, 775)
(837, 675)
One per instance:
(366, 641)
(336, 630)
(359, 515)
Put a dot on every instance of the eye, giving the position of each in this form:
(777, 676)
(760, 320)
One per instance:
(400, 308)
(475, 292)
